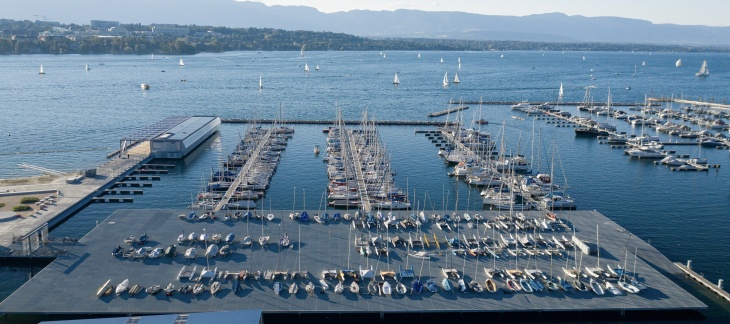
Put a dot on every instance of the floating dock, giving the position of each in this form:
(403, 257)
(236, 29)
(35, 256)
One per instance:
(448, 111)
(717, 289)
(69, 284)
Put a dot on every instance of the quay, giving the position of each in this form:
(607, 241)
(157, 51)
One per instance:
(717, 289)
(78, 274)
(535, 103)
(23, 233)
(448, 111)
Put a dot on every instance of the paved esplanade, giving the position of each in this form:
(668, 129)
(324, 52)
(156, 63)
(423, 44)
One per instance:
(69, 284)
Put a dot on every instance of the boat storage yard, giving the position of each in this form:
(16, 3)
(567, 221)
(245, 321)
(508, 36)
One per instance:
(69, 285)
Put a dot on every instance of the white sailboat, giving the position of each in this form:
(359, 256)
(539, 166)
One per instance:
(419, 55)
(446, 79)
(459, 61)
(678, 63)
(560, 92)
(442, 60)
(87, 67)
(316, 68)
(306, 67)
(181, 63)
(301, 52)
(41, 71)
(261, 84)
(395, 79)
(456, 78)
(704, 70)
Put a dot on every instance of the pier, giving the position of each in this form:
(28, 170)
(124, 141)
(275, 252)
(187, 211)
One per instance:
(535, 103)
(717, 289)
(250, 162)
(361, 186)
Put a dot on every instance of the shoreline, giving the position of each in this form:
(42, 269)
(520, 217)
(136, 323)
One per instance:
(33, 180)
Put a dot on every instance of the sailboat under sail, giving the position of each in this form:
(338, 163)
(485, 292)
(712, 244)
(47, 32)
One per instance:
(181, 63)
(704, 70)
(678, 63)
(306, 67)
(395, 79)
(456, 78)
(446, 79)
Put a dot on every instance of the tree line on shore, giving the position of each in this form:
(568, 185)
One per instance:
(25, 37)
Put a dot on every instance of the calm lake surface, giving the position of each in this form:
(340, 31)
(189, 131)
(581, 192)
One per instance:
(69, 119)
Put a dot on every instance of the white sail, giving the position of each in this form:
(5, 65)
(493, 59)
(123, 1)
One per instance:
(261, 84)
(446, 79)
(419, 55)
(560, 92)
(704, 70)
(395, 79)
(678, 63)
(41, 71)
(643, 63)
(306, 67)
(456, 78)
(87, 67)
(316, 68)
(442, 60)
(501, 56)
(181, 63)
(301, 52)
(459, 61)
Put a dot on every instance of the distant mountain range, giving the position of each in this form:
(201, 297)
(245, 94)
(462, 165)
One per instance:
(552, 27)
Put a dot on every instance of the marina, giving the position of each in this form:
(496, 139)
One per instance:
(315, 246)
(670, 201)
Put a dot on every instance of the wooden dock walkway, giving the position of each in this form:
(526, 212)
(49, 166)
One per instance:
(361, 186)
(701, 280)
(244, 170)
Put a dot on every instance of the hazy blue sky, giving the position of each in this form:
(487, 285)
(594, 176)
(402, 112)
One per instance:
(682, 12)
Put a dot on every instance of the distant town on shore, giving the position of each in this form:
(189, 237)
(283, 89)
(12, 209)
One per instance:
(112, 37)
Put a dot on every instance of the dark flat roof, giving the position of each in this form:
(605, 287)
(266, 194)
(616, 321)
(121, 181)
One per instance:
(69, 284)
(227, 317)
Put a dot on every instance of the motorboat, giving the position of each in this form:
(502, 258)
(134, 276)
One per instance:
(152, 290)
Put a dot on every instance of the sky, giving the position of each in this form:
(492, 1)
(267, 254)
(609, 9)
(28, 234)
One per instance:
(681, 12)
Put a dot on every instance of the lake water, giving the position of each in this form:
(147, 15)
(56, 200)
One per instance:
(69, 119)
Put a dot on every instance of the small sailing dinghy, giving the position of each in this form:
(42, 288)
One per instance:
(310, 288)
(431, 286)
(395, 79)
(339, 288)
(154, 289)
(456, 78)
(215, 287)
(277, 288)
(387, 289)
(136, 289)
(490, 285)
(446, 284)
(354, 287)
(198, 288)
(41, 70)
(229, 238)
(445, 83)
(401, 288)
(293, 288)
(596, 287)
(169, 289)
(122, 287)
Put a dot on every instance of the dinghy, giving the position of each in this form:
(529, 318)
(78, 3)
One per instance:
(416, 287)
(198, 288)
(339, 288)
(310, 288)
(277, 288)
(122, 287)
(387, 289)
(431, 286)
(490, 285)
(136, 289)
(401, 288)
(169, 289)
(100, 292)
(152, 290)
(354, 287)
(293, 288)
(446, 284)
(596, 287)
(215, 287)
